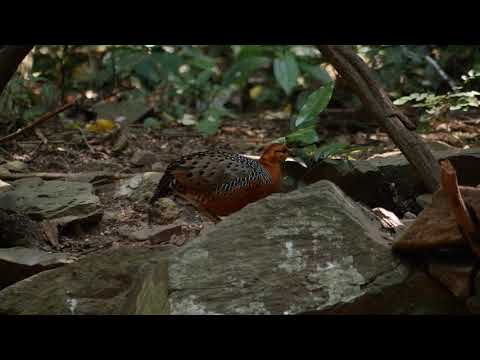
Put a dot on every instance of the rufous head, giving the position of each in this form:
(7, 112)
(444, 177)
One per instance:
(275, 153)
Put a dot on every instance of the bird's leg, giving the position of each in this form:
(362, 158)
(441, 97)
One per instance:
(200, 208)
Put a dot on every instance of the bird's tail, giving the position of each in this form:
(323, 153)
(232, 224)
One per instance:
(164, 188)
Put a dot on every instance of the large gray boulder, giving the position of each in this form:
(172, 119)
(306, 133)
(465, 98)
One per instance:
(312, 250)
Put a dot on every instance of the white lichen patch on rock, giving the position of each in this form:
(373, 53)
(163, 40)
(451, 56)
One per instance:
(340, 279)
(196, 255)
(294, 260)
(188, 306)
(253, 308)
(72, 305)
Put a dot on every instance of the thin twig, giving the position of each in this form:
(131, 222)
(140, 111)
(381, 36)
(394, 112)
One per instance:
(92, 150)
(37, 122)
(440, 72)
(40, 135)
(435, 65)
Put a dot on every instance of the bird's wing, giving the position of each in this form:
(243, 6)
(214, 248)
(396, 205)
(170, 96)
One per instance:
(209, 171)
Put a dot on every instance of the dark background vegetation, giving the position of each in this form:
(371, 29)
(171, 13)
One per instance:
(200, 86)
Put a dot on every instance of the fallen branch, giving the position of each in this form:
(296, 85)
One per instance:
(35, 123)
(463, 215)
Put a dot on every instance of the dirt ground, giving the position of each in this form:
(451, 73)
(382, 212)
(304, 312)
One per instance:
(71, 151)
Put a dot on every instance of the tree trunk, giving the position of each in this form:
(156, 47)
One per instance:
(354, 70)
(10, 58)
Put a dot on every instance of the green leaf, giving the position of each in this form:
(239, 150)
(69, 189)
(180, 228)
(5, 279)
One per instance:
(34, 112)
(314, 105)
(248, 51)
(403, 100)
(212, 119)
(170, 62)
(285, 69)
(305, 136)
(316, 72)
(209, 124)
(329, 150)
(203, 78)
(148, 70)
(241, 70)
(151, 123)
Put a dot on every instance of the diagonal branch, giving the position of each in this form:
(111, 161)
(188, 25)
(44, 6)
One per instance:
(37, 122)
(375, 99)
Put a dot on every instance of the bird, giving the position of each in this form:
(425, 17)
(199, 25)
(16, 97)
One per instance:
(219, 183)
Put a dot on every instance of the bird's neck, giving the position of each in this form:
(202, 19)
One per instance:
(274, 169)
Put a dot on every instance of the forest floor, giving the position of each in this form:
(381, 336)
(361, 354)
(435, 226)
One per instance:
(72, 151)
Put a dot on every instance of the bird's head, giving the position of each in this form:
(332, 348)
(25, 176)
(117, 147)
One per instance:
(274, 153)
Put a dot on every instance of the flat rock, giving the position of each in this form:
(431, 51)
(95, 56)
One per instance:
(388, 219)
(4, 186)
(18, 263)
(15, 166)
(473, 303)
(138, 187)
(19, 230)
(4, 172)
(84, 220)
(312, 250)
(155, 234)
(159, 166)
(165, 211)
(455, 277)
(133, 110)
(93, 177)
(143, 158)
(436, 227)
(391, 182)
(115, 282)
(50, 199)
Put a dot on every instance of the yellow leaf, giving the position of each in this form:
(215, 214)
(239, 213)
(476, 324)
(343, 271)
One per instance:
(105, 124)
(91, 128)
(101, 126)
(256, 91)
(288, 109)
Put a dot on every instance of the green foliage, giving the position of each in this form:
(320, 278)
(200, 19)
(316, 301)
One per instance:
(286, 72)
(304, 137)
(211, 120)
(190, 79)
(245, 67)
(314, 105)
(437, 105)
